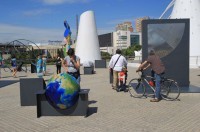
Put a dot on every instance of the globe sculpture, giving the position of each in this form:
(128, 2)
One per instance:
(62, 91)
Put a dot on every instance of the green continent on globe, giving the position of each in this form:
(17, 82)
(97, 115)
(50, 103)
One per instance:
(62, 91)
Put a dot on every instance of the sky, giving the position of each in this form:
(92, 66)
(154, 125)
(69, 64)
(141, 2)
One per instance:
(42, 20)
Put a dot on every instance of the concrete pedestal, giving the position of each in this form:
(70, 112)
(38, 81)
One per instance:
(100, 63)
(46, 109)
(89, 70)
(28, 89)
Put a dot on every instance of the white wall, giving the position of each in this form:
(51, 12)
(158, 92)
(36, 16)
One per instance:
(190, 9)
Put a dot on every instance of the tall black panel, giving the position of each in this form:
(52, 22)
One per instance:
(169, 38)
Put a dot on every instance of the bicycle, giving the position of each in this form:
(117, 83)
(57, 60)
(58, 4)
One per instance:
(169, 87)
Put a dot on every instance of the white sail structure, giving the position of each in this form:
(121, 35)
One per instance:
(189, 9)
(87, 47)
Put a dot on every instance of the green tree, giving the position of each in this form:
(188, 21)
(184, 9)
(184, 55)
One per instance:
(105, 55)
(137, 47)
(130, 50)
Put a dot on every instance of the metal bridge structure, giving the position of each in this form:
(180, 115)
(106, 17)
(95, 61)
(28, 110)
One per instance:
(23, 49)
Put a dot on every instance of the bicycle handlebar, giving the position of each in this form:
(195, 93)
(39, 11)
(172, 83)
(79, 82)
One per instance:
(141, 74)
(139, 70)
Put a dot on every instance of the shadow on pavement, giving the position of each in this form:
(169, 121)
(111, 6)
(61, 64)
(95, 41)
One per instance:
(22, 76)
(92, 102)
(190, 89)
(6, 76)
(49, 74)
(91, 110)
(4, 83)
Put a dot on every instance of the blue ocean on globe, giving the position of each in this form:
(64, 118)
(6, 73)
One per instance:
(62, 91)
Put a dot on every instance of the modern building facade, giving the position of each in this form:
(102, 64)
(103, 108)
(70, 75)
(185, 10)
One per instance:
(110, 42)
(135, 38)
(138, 23)
(121, 39)
(126, 26)
(105, 40)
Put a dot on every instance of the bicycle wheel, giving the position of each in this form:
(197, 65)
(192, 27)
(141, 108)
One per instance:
(136, 88)
(171, 89)
(164, 90)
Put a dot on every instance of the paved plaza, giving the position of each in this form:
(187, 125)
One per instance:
(109, 111)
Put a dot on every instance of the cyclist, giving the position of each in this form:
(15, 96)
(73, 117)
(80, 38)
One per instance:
(158, 68)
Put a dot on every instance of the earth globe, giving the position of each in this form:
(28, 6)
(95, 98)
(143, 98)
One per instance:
(62, 91)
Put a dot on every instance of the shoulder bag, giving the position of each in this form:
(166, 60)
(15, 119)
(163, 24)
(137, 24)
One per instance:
(111, 69)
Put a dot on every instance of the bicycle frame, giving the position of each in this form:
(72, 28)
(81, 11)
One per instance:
(144, 79)
(169, 87)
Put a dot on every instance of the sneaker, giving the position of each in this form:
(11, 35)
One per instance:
(118, 89)
(126, 90)
(154, 100)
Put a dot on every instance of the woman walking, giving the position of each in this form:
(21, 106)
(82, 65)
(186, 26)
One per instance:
(14, 65)
(58, 64)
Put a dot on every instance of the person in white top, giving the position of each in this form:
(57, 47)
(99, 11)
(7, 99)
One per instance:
(117, 62)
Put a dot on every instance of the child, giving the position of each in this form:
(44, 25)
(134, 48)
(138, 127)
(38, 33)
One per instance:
(122, 76)
(44, 59)
(39, 66)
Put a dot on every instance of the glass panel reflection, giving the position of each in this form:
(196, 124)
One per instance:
(164, 38)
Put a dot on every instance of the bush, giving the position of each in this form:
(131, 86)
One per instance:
(130, 50)
(105, 55)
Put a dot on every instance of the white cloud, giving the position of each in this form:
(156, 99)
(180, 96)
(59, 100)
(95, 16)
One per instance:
(36, 12)
(9, 33)
(55, 2)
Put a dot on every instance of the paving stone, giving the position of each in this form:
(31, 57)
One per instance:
(109, 111)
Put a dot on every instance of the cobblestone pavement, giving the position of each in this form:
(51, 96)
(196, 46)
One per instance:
(109, 111)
